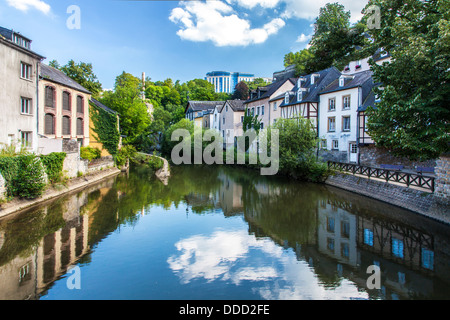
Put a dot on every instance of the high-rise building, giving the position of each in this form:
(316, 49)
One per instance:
(224, 81)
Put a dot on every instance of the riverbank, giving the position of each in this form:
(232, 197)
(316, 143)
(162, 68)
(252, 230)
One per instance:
(52, 192)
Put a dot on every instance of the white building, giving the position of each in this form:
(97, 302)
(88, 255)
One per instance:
(338, 116)
(19, 76)
(232, 119)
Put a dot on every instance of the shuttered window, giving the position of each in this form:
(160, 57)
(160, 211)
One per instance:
(66, 126)
(66, 101)
(49, 97)
(79, 126)
(49, 124)
(80, 107)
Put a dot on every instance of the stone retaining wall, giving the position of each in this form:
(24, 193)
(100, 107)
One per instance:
(442, 188)
(417, 201)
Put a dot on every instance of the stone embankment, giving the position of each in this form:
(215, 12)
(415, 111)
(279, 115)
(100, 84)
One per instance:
(52, 192)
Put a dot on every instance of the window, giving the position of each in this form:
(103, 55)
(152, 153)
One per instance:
(345, 229)
(275, 106)
(286, 98)
(299, 95)
(368, 237)
(332, 104)
(26, 138)
(358, 64)
(80, 129)
(346, 123)
(331, 124)
(262, 126)
(345, 250)
(397, 248)
(427, 259)
(66, 100)
(341, 82)
(353, 148)
(257, 111)
(324, 143)
(335, 144)
(25, 71)
(330, 224)
(223, 120)
(49, 97)
(66, 125)
(330, 244)
(242, 119)
(346, 102)
(80, 104)
(262, 110)
(49, 124)
(226, 108)
(25, 105)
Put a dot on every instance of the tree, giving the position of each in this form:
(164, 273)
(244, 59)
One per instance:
(335, 42)
(82, 73)
(241, 91)
(257, 82)
(412, 118)
(297, 149)
(201, 90)
(127, 101)
(302, 61)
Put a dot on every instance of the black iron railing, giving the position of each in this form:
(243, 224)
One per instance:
(409, 179)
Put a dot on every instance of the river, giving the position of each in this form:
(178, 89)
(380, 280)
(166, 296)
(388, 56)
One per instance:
(218, 232)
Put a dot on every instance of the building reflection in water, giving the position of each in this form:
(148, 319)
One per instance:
(29, 273)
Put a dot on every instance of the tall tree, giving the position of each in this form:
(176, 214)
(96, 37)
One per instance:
(82, 73)
(241, 91)
(127, 101)
(413, 115)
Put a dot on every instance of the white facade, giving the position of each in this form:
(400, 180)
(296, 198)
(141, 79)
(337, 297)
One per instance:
(19, 73)
(338, 113)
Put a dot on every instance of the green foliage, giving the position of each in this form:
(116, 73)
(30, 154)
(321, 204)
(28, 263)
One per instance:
(126, 99)
(297, 148)
(334, 42)
(82, 73)
(105, 128)
(412, 118)
(24, 176)
(90, 153)
(125, 153)
(251, 122)
(53, 164)
(167, 143)
(257, 82)
(155, 163)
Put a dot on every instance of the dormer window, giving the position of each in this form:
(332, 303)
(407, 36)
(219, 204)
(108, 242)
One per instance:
(358, 64)
(299, 81)
(286, 98)
(313, 77)
(299, 95)
(341, 81)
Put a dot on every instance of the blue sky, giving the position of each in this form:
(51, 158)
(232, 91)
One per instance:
(169, 39)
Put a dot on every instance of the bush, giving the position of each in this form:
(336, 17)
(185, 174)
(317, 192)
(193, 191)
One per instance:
(24, 176)
(155, 163)
(53, 164)
(125, 153)
(90, 153)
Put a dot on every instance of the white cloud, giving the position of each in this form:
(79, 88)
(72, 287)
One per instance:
(250, 4)
(24, 5)
(303, 38)
(216, 21)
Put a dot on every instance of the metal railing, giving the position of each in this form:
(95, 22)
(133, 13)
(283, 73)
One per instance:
(409, 179)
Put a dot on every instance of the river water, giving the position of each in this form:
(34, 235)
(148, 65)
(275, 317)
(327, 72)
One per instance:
(217, 232)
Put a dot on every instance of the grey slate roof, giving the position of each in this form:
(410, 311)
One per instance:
(236, 105)
(267, 91)
(7, 35)
(326, 77)
(203, 105)
(360, 79)
(54, 75)
(102, 106)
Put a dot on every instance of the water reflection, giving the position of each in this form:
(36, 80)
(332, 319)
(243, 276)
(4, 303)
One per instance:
(292, 240)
